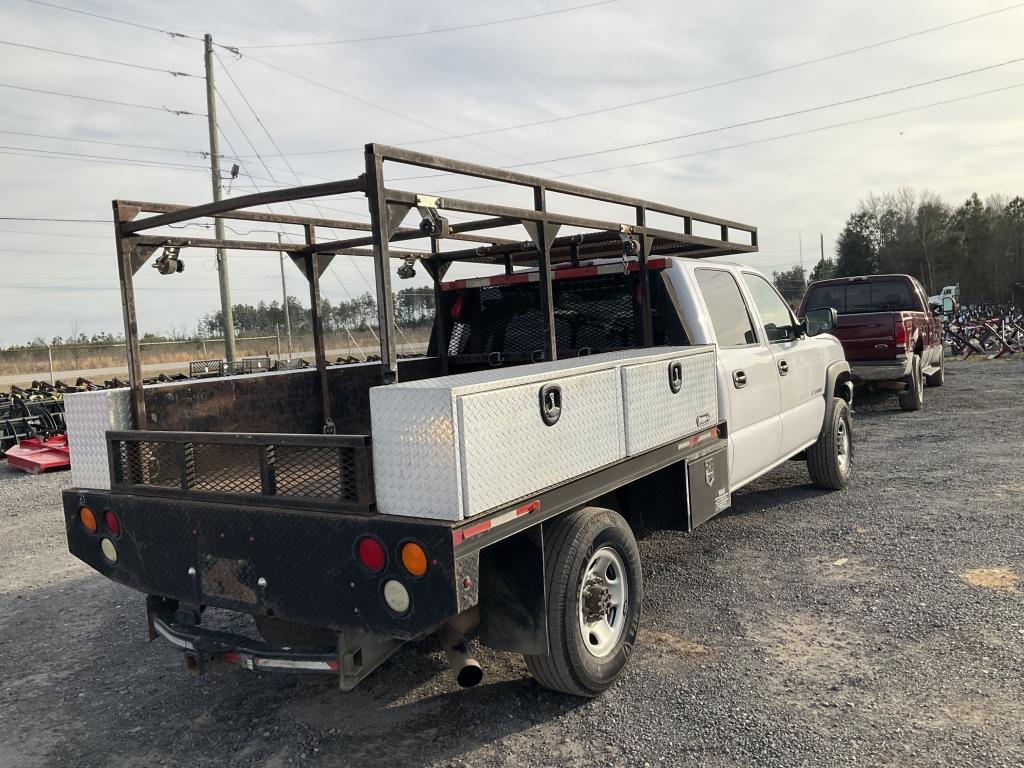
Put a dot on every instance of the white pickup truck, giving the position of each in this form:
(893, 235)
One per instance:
(492, 485)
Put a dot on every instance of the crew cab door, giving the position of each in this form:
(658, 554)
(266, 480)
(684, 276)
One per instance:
(748, 378)
(799, 362)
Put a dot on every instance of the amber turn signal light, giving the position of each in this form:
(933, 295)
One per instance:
(414, 558)
(87, 519)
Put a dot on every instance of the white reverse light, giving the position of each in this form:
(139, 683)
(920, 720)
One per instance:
(396, 596)
(109, 550)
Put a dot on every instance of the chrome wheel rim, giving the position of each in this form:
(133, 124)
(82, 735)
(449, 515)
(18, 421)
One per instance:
(602, 602)
(842, 446)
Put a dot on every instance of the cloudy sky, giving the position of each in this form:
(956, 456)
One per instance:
(67, 158)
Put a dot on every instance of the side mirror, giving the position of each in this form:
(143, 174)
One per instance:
(948, 305)
(821, 320)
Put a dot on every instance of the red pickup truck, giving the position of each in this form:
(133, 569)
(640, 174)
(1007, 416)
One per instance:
(891, 338)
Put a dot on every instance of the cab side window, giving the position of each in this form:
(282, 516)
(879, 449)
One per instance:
(775, 314)
(729, 316)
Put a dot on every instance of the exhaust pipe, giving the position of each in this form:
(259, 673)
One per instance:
(468, 671)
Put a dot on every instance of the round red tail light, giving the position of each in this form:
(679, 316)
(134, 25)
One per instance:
(371, 554)
(112, 523)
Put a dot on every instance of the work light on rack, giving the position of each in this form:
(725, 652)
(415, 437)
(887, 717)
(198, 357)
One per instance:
(169, 262)
(408, 268)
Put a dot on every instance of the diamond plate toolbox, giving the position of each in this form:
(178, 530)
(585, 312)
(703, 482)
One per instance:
(456, 446)
(669, 398)
(89, 416)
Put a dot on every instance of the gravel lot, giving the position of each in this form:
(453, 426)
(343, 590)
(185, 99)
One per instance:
(880, 626)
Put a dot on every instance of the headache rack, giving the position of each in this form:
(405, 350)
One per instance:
(552, 237)
(329, 472)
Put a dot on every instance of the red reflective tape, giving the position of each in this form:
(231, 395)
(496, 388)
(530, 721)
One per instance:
(457, 538)
(694, 440)
(526, 509)
(232, 658)
(516, 279)
(454, 285)
(473, 530)
(570, 273)
(333, 665)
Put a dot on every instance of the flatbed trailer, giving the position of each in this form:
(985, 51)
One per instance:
(260, 493)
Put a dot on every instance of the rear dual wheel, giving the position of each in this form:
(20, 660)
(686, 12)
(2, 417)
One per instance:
(594, 587)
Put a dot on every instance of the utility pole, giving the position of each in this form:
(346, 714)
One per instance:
(222, 255)
(284, 299)
(800, 240)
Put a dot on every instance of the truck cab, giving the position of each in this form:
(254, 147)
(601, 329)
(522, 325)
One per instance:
(775, 381)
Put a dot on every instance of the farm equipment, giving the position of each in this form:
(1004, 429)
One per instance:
(36, 455)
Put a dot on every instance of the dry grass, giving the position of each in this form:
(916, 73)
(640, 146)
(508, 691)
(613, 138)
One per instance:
(72, 358)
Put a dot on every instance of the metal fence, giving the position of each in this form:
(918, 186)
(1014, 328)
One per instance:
(57, 361)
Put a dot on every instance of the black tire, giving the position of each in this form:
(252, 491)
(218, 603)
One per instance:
(912, 398)
(830, 459)
(936, 379)
(280, 633)
(570, 543)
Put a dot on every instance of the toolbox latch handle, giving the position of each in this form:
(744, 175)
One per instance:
(675, 376)
(550, 403)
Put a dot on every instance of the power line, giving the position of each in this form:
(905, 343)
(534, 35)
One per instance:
(131, 160)
(235, 51)
(743, 124)
(435, 31)
(106, 143)
(371, 104)
(775, 117)
(686, 92)
(274, 144)
(768, 139)
(179, 112)
(171, 72)
(61, 221)
(115, 20)
(76, 235)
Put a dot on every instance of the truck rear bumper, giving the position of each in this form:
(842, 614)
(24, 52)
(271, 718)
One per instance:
(352, 658)
(881, 370)
(203, 645)
(294, 565)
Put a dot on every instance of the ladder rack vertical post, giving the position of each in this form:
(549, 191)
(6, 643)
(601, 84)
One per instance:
(377, 197)
(312, 269)
(547, 303)
(647, 324)
(126, 271)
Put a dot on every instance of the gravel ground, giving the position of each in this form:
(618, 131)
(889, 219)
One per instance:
(881, 626)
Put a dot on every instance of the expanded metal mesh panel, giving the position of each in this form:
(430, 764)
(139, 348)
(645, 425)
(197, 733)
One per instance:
(148, 463)
(246, 468)
(595, 313)
(326, 473)
(226, 468)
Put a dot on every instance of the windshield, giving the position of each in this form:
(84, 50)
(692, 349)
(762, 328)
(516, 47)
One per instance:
(849, 298)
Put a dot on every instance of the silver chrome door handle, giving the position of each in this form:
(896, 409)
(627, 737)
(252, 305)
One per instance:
(783, 367)
(739, 379)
